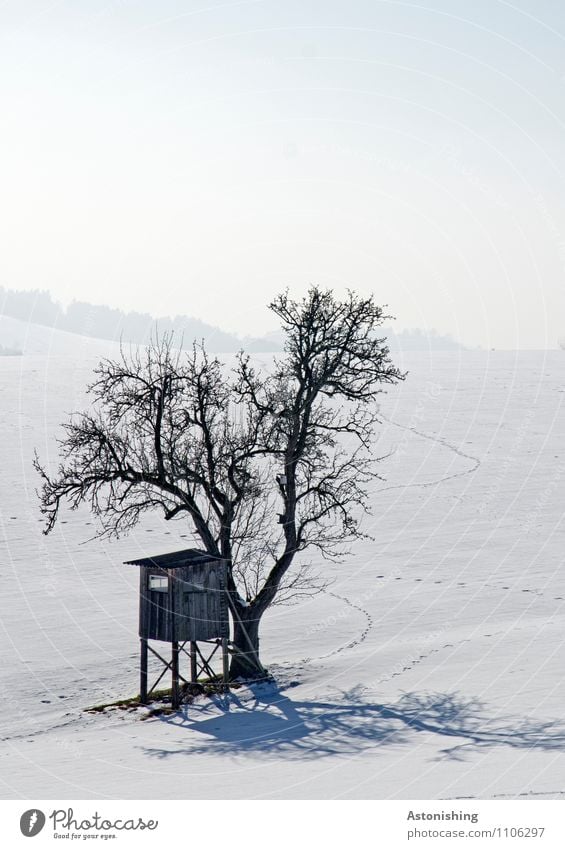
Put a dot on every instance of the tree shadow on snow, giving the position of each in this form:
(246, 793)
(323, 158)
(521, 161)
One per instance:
(265, 721)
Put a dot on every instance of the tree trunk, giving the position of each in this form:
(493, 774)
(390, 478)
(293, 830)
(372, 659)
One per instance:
(245, 662)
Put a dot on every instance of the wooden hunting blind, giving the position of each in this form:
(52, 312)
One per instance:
(183, 598)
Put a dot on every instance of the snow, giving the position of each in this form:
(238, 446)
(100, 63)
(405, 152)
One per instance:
(33, 338)
(431, 668)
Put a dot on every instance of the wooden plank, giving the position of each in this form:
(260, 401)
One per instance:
(193, 667)
(141, 628)
(171, 610)
(175, 698)
(143, 672)
(180, 604)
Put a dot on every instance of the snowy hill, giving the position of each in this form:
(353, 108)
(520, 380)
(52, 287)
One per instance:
(431, 668)
(36, 309)
(30, 338)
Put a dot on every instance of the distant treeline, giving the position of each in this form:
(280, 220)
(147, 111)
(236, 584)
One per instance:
(403, 340)
(420, 340)
(103, 322)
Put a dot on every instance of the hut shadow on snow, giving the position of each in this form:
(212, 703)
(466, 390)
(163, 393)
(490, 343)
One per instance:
(266, 721)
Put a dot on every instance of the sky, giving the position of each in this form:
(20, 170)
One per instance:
(199, 157)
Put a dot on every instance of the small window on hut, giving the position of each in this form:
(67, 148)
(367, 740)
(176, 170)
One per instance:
(159, 583)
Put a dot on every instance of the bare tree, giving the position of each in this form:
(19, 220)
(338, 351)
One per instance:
(264, 466)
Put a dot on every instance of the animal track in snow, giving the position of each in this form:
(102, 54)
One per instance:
(363, 635)
(355, 642)
(439, 441)
(408, 663)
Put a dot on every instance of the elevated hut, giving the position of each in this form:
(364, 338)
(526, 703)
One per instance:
(183, 599)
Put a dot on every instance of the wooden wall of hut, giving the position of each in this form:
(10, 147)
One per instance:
(193, 606)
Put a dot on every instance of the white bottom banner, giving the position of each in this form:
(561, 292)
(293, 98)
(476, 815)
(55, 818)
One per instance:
(387, 824)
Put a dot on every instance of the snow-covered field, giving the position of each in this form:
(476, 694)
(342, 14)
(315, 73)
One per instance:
(431, 668)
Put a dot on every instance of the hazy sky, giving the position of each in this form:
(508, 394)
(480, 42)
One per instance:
(198, 157)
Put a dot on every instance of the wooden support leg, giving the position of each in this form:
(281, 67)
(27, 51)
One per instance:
(193, 667)
(143, 673)
(225, 660)
(175, 700)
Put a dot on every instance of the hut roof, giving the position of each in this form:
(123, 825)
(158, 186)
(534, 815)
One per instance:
(175, 559)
